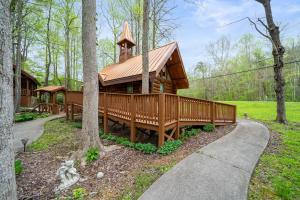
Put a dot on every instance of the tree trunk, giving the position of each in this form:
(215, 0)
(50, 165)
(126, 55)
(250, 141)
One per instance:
(67, 50)
(18, 56)
(145, 75)
(48, 55)
(278, 51)
(90, 125)
(7, 169)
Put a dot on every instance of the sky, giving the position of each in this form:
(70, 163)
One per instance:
(207, 20)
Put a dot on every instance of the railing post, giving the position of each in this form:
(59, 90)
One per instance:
(177, 133)
(132, 121)
(234, 114)
(213, 110)
(105, 119)
(161, 119)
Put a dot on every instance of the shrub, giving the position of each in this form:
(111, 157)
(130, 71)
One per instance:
(127, 143)
(92, 154)
(145, 148)
(169, 147)
(79, 193)
(189, 133)
(18, 167)
(209, 127)
(27, 116)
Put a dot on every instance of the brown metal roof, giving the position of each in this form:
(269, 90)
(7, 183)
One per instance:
(51, 88)
(126, 35)
(132, 68)
(29, 76)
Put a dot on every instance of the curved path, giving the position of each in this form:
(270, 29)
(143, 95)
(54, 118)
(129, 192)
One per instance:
(30, 129)
(220, 170)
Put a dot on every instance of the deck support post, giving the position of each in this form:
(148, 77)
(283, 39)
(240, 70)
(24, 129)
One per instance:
(177, 132)
(234, 114)
(212, 114)
(161, 119)
(67, 111)
(132, 121)
(72, 112)
(105, 119)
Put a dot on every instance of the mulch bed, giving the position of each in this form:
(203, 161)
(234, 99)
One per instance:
(38, 178)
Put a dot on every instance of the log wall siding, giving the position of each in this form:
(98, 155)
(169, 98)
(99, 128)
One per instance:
(158, 112)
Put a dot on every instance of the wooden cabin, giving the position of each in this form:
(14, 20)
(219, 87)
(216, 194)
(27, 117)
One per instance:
(163, 112)
(166, 69)
(28, 86)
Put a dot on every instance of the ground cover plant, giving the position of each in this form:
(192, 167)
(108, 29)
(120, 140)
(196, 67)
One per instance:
(92, 154)
(56, 132)
(18, 167)
(277, 175)
(27, 116)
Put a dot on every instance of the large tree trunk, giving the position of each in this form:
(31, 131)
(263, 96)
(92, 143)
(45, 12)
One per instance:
(48, 63)
(7, 169)
(145, 75)
(18, 56)
(278, 51)
(90, 125)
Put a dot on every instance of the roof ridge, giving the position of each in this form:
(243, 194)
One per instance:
(140, 54)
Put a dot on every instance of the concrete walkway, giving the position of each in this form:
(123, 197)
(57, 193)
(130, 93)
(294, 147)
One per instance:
(30, 129)
(220, 170)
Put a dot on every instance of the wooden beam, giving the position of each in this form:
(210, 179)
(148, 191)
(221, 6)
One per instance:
(105, 117)
(132, 121)
(177, 133)
(212, 110)
(161, 119)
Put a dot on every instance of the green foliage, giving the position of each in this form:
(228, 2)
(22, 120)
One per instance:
(169, 147)
(189, 132)
(18, 167)
(77, 125)
(92, 154)
(55, 132)
(27, 116)
(79, 193)
(277, 174)
(145, 148)
(209, 127)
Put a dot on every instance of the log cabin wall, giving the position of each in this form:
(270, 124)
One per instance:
(131, 88)
(163, 83)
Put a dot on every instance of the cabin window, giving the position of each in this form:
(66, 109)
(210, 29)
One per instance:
(161, 88)
(130, 88)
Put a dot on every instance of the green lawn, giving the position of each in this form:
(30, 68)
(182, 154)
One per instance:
(277, 175)
(56, 132)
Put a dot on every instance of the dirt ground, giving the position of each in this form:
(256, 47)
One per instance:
(38, 178)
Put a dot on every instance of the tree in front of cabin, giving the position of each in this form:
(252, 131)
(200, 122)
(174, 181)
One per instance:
(90, 127)
(145, 75)
(7, 175)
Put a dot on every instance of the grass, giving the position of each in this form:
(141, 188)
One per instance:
(55, 132)
(277, 175)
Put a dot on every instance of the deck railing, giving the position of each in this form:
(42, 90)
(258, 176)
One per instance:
(158, 112)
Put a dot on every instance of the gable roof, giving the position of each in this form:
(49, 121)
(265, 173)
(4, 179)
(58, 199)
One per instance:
(51, 88)
(27, 75)
(126, 35)
(131, 69)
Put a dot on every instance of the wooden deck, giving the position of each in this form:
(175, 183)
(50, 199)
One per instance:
(163, 113)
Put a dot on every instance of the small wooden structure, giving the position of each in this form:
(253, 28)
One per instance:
(52, 106)
(163, 113)
(28, 87)
(166, 69)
